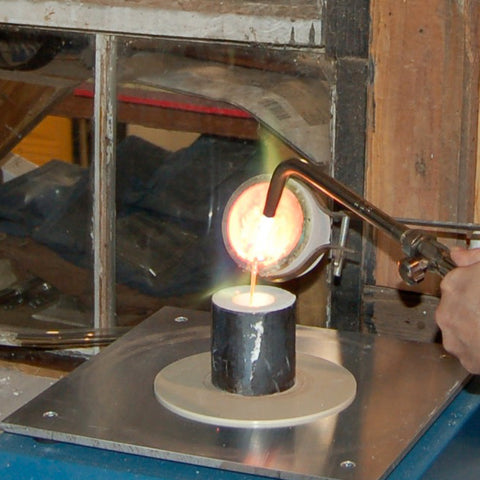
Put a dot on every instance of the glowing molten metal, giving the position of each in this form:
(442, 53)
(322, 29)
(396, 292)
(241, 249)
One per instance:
(258, 241)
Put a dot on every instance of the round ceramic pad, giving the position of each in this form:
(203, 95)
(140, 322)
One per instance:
(321, 388)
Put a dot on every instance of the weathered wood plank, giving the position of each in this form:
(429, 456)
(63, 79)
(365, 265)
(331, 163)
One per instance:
(299, 8)
(281, 22)
(166, 118)
(423, 115)
(346, 28)
(404, 315)
(348, 167)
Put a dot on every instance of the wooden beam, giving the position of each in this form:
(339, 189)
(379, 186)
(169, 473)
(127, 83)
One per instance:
(423, 111)
(404, 315)
(298, 23)
(346, 28)
(346, 41)
(348, 167)
(165, 118)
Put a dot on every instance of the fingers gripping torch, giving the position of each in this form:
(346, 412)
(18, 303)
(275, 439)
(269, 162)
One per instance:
(422, 251)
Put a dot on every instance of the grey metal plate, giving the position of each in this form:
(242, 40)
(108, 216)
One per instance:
(109, 402)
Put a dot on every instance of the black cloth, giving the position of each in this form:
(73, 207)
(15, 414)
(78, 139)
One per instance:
(169, 209)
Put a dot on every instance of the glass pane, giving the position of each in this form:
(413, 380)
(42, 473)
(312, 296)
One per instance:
(196, 120)
(45, 195)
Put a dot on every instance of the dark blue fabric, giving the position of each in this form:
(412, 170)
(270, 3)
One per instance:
(28, 200)
(169, 211)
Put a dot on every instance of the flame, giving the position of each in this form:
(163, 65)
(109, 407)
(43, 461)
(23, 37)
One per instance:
(255, 238)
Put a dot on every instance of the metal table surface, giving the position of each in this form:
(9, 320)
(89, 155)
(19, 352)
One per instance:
(109, 403)
(449, 449)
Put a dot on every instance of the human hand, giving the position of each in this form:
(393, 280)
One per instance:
(458, 313)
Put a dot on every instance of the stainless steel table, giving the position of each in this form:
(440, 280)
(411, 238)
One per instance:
(109, 403)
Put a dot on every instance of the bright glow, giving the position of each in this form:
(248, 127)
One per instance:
(252, 236)
(258, 299)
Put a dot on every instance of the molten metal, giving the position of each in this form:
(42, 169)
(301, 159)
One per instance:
(256, 238)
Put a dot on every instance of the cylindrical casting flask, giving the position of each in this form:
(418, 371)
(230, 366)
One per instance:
(253, 340)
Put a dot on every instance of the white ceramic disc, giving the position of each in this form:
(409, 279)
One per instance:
(321, 388)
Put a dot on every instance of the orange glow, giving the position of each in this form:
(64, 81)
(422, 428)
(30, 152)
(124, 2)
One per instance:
(254, 237)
